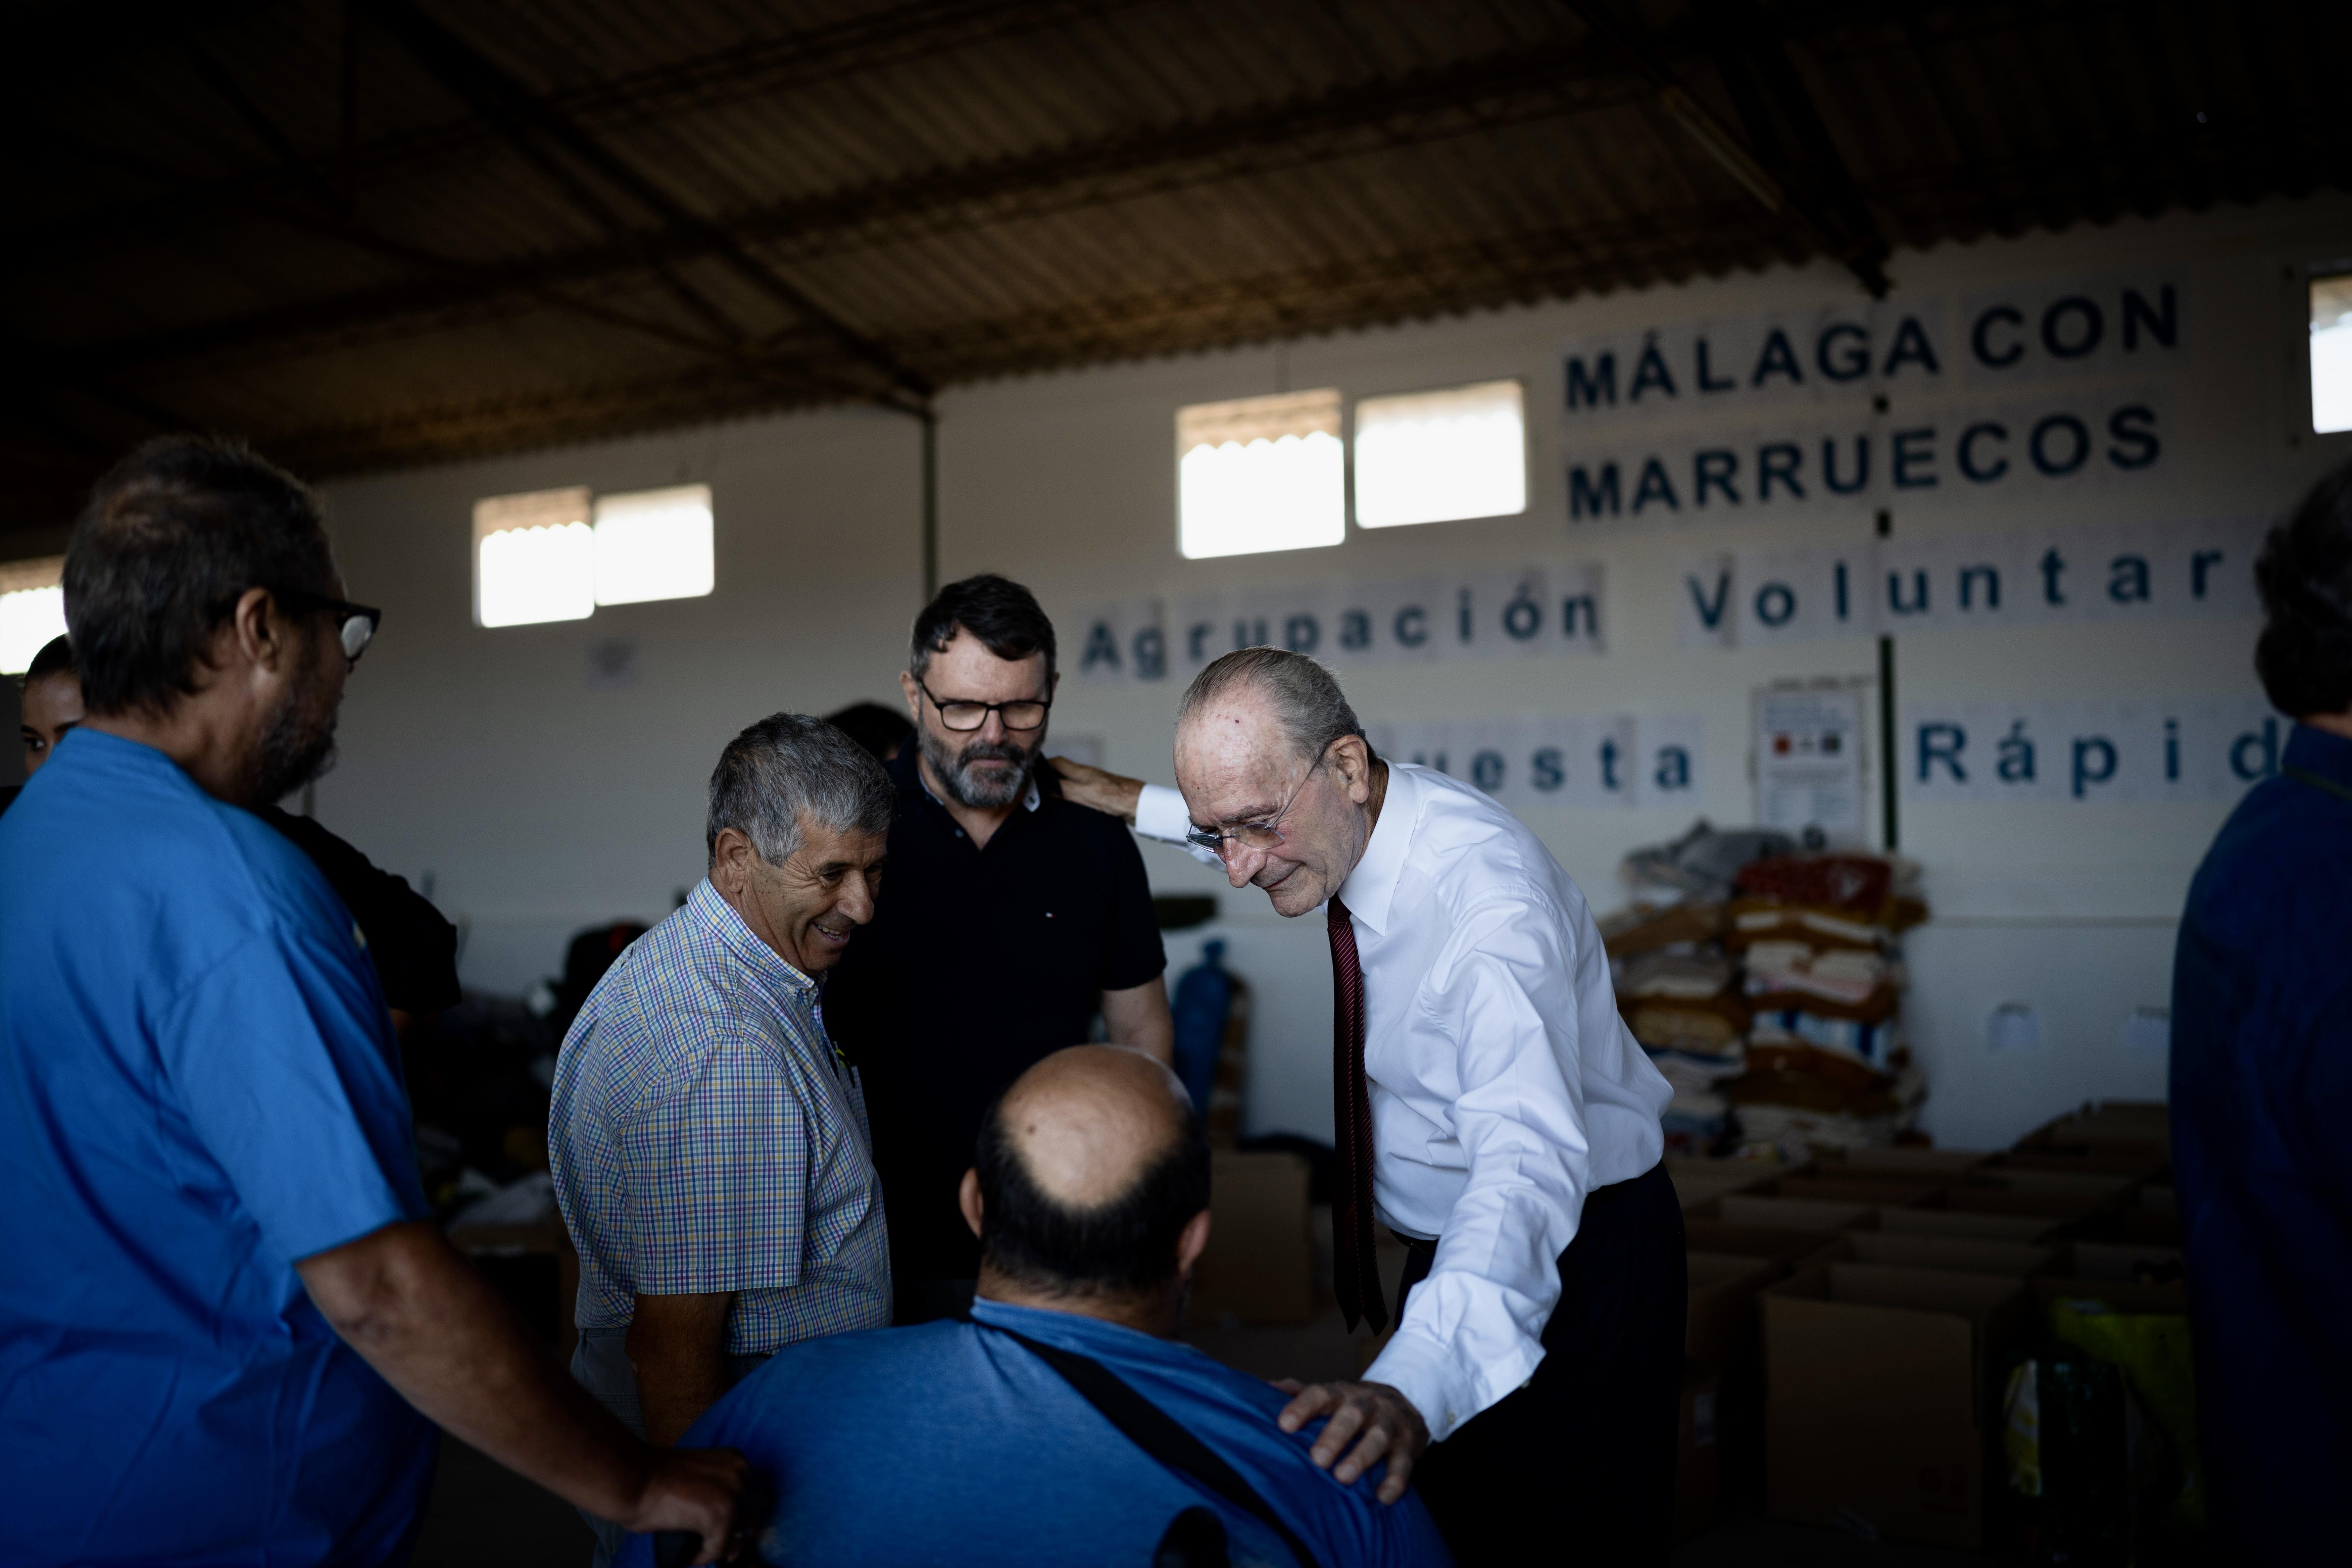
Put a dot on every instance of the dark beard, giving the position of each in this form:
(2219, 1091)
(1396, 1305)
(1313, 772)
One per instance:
(299, 746)
(976, 794)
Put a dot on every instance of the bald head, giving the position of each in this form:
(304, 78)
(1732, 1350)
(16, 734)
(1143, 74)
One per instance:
(1087, 1123)
(1089, 1168)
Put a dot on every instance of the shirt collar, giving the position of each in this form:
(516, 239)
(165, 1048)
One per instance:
(1372, 887)
(2320, 752)
(715, 914)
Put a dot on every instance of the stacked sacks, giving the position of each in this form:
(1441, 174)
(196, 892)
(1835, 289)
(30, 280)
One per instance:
(1818, 938)
(1679, 989)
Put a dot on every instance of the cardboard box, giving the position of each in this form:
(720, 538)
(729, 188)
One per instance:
(2073, 1183)
(1899, 1162)
(2107, 1124)
(1720, 1316)
(2144, 1160)
(1698, 1491)
(2057, 1207)
(1877, 1191)
(1700, 1182)
(1961, 1222)
(1260, 1263)
(2133, 1227)
(1778, 1245)
(2123, 1260)
(1791, 1213)
(1950, 1254)
(2122, 1296)
(1878, 1396)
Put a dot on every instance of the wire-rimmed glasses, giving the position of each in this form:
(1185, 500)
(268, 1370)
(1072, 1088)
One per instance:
(1259, 836)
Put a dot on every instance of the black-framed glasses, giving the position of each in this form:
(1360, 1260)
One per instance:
(1258, 835)
(1025, 714)
(355, 625)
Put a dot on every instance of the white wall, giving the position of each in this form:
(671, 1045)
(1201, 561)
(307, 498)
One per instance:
(539, 801)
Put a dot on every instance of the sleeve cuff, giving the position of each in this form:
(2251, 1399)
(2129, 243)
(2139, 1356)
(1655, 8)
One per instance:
(1160, 814)
(1416, 1367)
(1441, 1386)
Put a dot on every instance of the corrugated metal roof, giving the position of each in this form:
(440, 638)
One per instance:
(440, 230)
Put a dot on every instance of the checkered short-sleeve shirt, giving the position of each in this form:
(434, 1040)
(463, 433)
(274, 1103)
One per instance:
(706, 1136)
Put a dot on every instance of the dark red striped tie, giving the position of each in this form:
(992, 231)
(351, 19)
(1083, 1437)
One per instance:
(1355, 1272)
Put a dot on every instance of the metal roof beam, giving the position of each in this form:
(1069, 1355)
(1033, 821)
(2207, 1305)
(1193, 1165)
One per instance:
(758, 68)
(466, 71)
(1823, 229)
(1474, 95)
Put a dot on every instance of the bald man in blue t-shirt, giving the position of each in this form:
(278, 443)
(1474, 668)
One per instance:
(962, 1442)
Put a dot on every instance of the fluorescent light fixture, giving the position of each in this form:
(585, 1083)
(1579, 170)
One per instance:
(2331, 353)
(1260, 473)
(654, 544)
(32, 610)
(534, 558)
(1441, 456)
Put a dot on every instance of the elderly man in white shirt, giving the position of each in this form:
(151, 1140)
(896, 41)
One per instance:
(1492, 1110)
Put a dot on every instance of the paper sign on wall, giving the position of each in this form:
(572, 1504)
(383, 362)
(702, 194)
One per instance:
(1809, 756)
(1573, 761)
(2128, 572)
(2133, 749)
(1532, 611)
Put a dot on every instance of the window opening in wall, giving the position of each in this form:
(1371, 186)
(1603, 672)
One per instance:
(2331, 353)
(32, 610)
(534, 558)
(654, 544)
(1442, 456)
(1259, 474)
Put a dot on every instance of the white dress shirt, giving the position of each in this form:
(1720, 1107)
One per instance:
(1505, 1086)
(1160, 812)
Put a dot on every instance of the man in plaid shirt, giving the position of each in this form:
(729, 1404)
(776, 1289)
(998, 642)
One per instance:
(710, 1146)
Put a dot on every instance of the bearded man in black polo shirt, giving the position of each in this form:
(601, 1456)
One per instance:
(1010, 917)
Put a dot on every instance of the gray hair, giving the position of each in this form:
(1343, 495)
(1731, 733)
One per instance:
(1305, 698)
(789, 765)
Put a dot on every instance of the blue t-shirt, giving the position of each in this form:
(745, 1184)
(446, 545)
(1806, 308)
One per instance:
(952, 1443)
(2262, 1096)
(198, 1086)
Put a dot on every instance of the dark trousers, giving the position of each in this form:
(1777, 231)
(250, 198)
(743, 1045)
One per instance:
(1579, 1466)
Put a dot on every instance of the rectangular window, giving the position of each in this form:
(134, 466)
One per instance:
(1260, 473)
(534, 558)
(654, 544)
(2331, 353)
(32, 610)
(1441, 456)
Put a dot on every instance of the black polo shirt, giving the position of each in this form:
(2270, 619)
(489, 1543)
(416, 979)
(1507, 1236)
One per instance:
(978, 963)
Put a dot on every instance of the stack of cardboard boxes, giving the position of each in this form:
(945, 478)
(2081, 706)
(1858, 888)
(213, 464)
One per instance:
(1861, 1321)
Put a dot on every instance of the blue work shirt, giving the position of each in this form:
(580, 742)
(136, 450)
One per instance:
(2262, 1151)
(198, 1086)
(950, 1443)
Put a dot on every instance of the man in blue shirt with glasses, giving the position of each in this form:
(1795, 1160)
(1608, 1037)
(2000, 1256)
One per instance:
(228, 1323)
